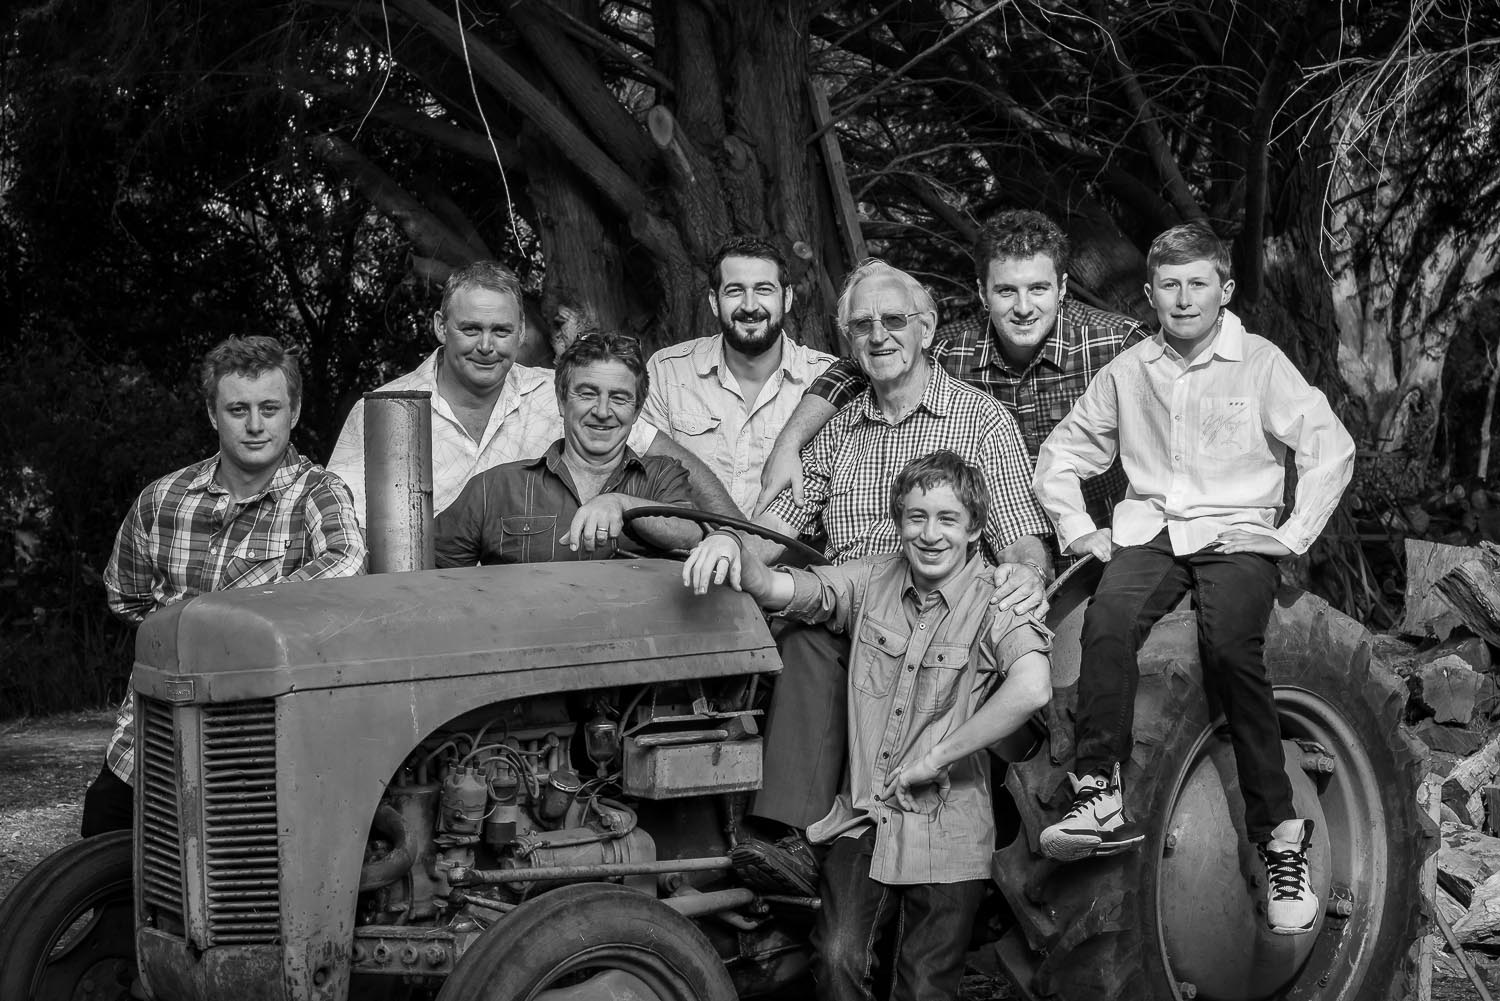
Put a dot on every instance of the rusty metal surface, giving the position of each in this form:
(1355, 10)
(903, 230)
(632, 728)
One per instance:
(398, 480)
(673, 770)
(175, 972)
(595, 623)
(602, 870)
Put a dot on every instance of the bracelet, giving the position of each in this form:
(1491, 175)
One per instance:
(1041, 574)
(729, 532)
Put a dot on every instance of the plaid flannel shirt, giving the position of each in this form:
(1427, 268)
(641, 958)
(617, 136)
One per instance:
(185, 535)
(847, 469)
(1040, 395)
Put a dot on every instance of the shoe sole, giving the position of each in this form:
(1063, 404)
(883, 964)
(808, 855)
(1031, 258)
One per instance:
(769, 874)
(1075, 847)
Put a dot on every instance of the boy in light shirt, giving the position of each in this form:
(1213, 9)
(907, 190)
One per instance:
(936, 675)
(1202, 417)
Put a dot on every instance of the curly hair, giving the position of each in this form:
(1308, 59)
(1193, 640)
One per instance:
(249, 356)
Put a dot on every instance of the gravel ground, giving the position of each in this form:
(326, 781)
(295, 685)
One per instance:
(46, 764)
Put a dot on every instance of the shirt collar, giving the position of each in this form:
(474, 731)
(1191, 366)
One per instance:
(553, 460)
(708, 357)
(954, 588)
(286, 474)
(1228, 346)
(937, 395)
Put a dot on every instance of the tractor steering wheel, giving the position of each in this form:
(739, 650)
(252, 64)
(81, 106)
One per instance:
(797, 554)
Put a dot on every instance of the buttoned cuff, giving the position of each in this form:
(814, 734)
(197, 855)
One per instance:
(1071, 528)
(807, 596)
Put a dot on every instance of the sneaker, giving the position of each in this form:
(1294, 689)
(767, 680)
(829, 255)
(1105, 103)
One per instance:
(1292, 906)
(786, 866)
(1096, 825)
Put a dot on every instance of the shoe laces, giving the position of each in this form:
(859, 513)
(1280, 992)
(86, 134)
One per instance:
(1287, 872)
(1084, 798)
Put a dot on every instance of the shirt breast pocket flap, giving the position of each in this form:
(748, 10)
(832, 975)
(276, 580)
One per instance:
(940, 676)
(881, 650)
(257, 560)
(1228, 426)
(694, 422)
(529, 527)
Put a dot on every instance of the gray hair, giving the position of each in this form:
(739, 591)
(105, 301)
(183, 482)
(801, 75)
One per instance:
(874, 267)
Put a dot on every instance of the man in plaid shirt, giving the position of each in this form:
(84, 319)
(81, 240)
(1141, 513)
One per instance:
(256, 513)
(910, 409)
(1034, 349)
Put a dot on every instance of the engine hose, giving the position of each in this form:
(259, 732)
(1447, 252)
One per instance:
(374, 875)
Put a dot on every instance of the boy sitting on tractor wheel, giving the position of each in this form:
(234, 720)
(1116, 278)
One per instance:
(1201, 417)
(911, 834)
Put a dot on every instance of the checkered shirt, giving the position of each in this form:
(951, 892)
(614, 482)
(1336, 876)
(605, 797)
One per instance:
(185, 535)
(1040, 395)
(847, 469)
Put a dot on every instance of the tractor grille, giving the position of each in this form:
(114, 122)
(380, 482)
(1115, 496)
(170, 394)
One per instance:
(161, 837)
(239, 823)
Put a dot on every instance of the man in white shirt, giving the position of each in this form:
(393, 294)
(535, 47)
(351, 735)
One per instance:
(725, 398)
(486, 409)
(1201, 417)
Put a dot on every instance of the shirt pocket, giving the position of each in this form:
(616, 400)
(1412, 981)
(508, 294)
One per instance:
(693, 423)
(1228, 427)
(940, 677)
(528, 538)
(258, 560)
(881, 650)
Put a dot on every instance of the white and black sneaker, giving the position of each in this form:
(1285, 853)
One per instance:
(1291, 904)
(1096, 825)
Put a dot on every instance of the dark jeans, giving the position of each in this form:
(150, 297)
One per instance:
(807, 727)
(1233, 595)
(107, 805)
(933, 924)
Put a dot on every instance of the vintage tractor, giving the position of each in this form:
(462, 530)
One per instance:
(522, 783)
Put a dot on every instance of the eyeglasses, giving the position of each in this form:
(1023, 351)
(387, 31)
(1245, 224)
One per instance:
(589, 396)
(865, 325)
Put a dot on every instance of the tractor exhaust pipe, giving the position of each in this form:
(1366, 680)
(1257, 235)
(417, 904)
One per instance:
(398, 481)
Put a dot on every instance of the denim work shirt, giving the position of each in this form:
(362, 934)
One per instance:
(518, 512)
(917, 670)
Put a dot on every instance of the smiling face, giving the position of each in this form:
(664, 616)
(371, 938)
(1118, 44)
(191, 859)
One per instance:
(254, 416)
(750, 303)
(1023, 296)
(1188, 299)
(480, 331)
(936, 534)
(888, 356)
(599, 407)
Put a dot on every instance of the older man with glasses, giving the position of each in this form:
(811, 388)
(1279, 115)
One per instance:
(910, 408)
(570, 503)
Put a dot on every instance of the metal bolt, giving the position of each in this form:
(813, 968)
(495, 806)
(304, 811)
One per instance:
(1340, 908)
(1319, 764)
(409, 956)
(1187, 990)
(435, 955)
(1257, 880)
(382, 954)
(87, 985)
(360, 952)
(1171, 844)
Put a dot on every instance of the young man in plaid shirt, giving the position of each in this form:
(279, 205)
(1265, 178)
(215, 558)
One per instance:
(910, 409)
(1034, 349)
(256, 513)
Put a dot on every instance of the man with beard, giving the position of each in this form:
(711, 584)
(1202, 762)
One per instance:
(725, 398)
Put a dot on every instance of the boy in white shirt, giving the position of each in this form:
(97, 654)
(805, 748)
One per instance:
(1202, 416)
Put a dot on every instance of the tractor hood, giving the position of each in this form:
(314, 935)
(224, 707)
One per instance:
(619, 622)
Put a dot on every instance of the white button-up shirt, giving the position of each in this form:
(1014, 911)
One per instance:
(697, 400)
(525, 421)
(1203, 444)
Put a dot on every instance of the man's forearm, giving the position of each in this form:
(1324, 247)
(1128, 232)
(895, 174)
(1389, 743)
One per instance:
(1029, 549)
(708, 493)
(1027, 688)
(808, 418)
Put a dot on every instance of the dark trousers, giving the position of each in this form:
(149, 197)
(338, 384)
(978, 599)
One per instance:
(933, 924)
(1233, 595)
(107, 805)
(807, 727)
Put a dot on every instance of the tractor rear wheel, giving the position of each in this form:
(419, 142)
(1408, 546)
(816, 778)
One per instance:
(1184, 916)
(67, 929)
